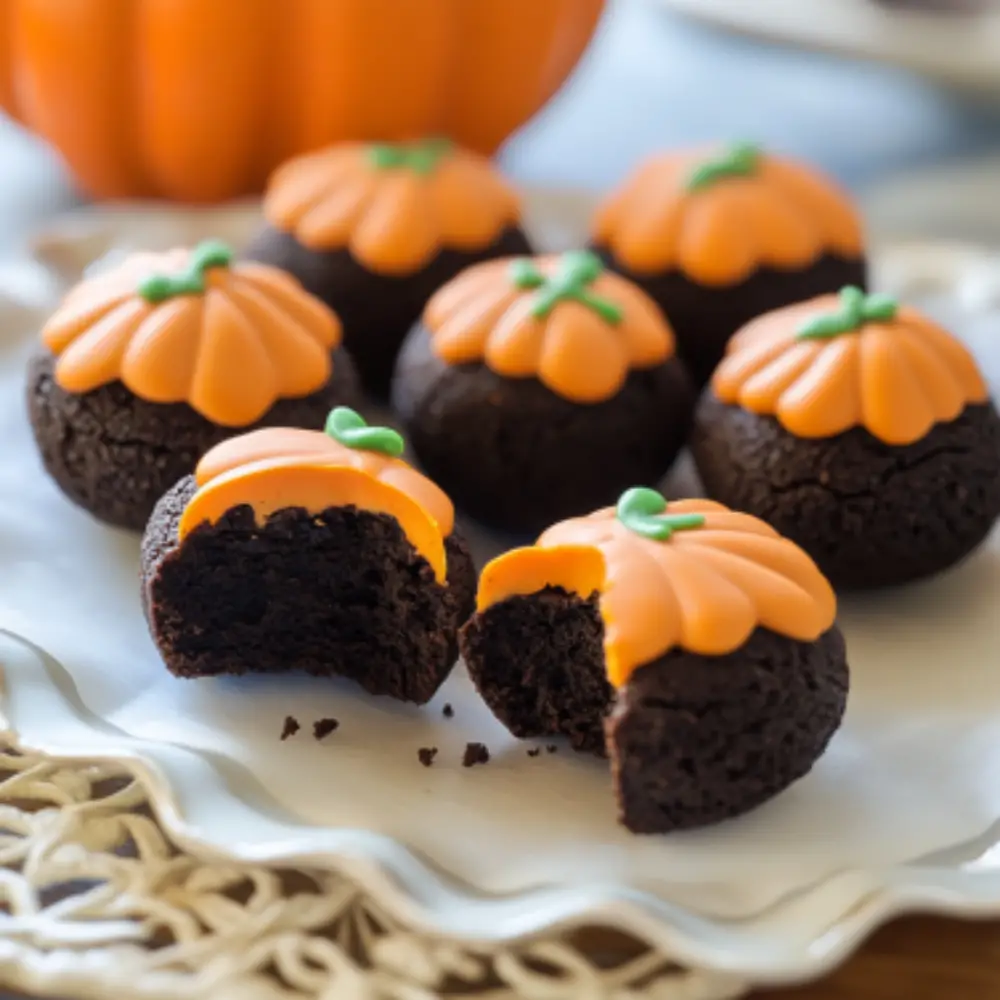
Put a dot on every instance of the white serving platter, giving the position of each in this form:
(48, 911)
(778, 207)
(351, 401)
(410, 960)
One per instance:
(902, 813)
(958, 49)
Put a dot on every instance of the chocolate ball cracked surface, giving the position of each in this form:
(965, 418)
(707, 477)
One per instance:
(516, 456)
(869, 513)
(695, 740)
(115, 454)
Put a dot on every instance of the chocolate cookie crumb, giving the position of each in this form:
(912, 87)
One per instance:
(534, 751)
(426, 755)
(551, 748)
(290, 728)
(475, 753)
(447, 711)
(323, 727)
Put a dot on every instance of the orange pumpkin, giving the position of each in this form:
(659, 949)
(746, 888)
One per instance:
(718, 217)
(350, 464)
(833, 363)
(199, 101)
(190, 327)
(690, 574)
(564, 319)
(394, 206)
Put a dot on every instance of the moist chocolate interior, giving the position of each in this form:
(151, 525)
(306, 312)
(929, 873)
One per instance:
(341, 592)
(538, 662)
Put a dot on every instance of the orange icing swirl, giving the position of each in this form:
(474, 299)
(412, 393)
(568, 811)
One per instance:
(248, 336)
(276, 468)
(778, 214)
(577, 328)
(392, 218)
(895, 377)
(704, 589)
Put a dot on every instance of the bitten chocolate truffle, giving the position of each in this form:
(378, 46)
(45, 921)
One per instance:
(145, 367)
(537, 388)
(860, 429)
(303, 550)
(374, 230)
(694, 645)
(719, 237)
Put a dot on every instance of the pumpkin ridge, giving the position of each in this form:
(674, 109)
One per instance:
(706, 589)
(763, 390)
(57, 336)
(291, 299)
(215, 381)
(933, 370)
(832, 384)
(75, 364)
(270, 327)
(561, 365)
(157, 344)
(455, 295)
(721, 557)
(954, 354)
(331, 218)
(772, 551)
(891, 381)
(463, 335)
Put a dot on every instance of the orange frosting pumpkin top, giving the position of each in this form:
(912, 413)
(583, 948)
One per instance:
(565, 320)
(394, 207)
(189, 326)
(836, 362)
(350, 464)
(718, 217)
(690, 574)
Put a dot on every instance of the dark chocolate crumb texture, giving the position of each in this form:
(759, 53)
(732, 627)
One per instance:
(144, 368)
(475, 753)
(316, 551)
(717, 237)
(861, 430)
(290, 727)
(695, 646)
(374, 230)
(535, 388)
(426, 755)
(324, 727)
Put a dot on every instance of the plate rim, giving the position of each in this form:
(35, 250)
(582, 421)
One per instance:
(412, 891)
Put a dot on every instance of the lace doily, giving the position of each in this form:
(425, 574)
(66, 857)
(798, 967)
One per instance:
(101, 903)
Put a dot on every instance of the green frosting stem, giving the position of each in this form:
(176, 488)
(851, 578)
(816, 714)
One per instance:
(421, 157)
(351, 429)
(191, 281)
(739, 160)
(641, 509)
(855, 310)
(577, 270)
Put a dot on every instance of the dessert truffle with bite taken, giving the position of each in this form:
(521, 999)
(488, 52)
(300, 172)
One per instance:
(860, 429)
(717, 238)
(294, 550)
(535, 389)
(694, 644)
(374, 230)
(144, 367)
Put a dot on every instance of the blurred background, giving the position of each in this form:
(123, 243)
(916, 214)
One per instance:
(899, 99)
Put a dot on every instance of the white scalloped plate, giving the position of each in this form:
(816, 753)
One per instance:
(901, 813)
